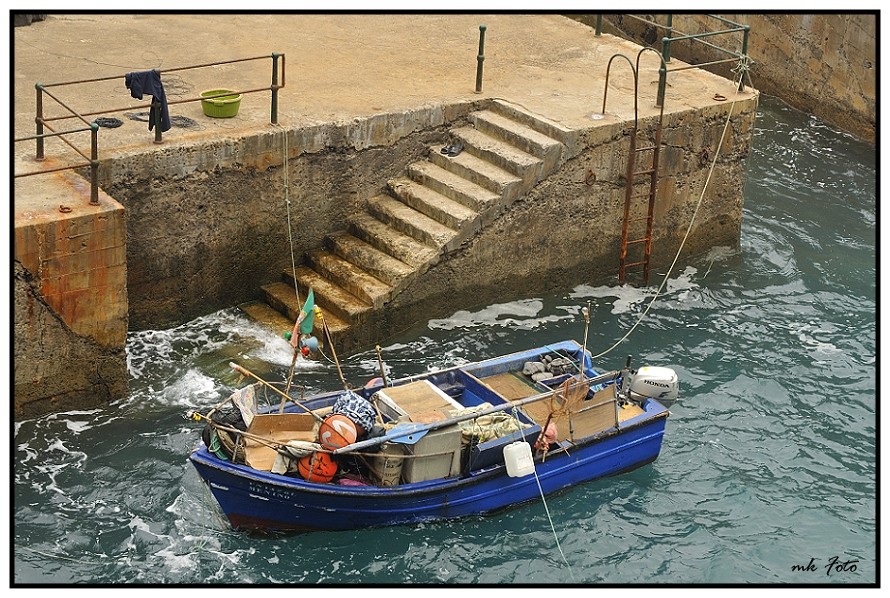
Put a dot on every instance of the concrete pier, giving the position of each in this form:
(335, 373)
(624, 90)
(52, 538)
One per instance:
(369, 100)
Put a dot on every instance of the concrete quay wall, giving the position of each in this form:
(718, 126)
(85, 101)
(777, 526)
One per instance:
(70, 297)
(208, 224)
(218, 209)
(568, 229)
(214, 220)
(824, 64)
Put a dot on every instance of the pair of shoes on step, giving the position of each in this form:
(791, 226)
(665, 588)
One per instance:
(453, 149)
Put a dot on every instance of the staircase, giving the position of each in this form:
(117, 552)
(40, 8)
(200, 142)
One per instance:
(429, 211)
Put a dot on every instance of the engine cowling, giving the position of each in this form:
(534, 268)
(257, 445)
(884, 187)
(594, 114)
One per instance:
(658, 383)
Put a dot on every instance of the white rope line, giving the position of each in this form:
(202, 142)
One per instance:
(555, 537)
(683, 242)
(543, 500)
(290, 234)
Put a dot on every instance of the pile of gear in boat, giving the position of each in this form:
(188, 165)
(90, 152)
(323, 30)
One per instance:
(301, 444)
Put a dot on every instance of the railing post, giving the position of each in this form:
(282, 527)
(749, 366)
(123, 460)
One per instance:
(598, 27)
(666, 54)
(744, 56)
(662, 84)
(275, 88)
(480, 58)
(94, 164)
(156, 109)
(39, 120)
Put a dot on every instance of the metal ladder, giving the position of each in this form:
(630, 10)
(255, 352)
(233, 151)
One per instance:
(632, 236)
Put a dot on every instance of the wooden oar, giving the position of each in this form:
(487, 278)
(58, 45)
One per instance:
(406, 430)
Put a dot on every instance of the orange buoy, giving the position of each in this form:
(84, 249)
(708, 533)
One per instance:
(317, 467)
(337, 431)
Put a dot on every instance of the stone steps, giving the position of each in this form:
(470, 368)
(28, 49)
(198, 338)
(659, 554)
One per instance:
(452, 185)
(409, 221)
(438, 203)
(431, 203)
(379, 264)
(280, 297)
(502, 154)
(520, 135)
(479, 171)
(392, 242)
(350, 277)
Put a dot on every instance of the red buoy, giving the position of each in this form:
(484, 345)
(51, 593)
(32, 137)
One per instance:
(317, 467)
(337, 431)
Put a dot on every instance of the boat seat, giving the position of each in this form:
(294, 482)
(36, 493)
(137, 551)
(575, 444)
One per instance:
(513, 385)
(421, 402)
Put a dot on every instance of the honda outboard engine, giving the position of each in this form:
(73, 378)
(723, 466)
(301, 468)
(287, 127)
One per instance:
(657, 383)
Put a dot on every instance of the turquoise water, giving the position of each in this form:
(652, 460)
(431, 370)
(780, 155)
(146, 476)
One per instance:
(767, 474)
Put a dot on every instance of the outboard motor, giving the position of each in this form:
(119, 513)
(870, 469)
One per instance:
(657, 383)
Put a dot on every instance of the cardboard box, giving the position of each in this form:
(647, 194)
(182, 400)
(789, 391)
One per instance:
(279, 427)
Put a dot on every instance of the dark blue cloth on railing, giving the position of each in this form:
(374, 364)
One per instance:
(149, 82)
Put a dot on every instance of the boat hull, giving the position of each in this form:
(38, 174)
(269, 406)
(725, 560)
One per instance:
(257, 500)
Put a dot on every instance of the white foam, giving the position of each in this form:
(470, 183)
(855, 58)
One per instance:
(493, 315)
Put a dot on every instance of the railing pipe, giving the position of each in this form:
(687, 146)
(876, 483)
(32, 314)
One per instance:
(598, 25)
(744, 56)
(42, 123)
(39, 121)
(274, 115)
(61, 136)
(703, 64)
(694, 36)
(666, 53)
(94, 164)
(480, 58)
(662, 84)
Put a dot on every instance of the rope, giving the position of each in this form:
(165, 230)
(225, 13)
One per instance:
(290, 234)
(742, 69)
(544, 500)
(685, 237)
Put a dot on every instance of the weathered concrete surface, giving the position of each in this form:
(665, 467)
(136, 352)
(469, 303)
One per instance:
(823, 64)
(70, 288)
(208, 210)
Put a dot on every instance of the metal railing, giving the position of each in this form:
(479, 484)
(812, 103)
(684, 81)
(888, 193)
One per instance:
(43, 122)
(741, 58)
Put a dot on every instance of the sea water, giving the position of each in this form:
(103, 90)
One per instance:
(767, 474)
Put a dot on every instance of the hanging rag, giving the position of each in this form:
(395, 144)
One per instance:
(149, 82)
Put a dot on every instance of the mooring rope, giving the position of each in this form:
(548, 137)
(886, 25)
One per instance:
(544, 500)
(667, 275)
(290, 234)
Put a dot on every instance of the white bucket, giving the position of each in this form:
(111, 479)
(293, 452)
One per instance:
(518, 457)
(388, 470)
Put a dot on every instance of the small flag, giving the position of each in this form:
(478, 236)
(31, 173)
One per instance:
(305, 321)
(307, 315)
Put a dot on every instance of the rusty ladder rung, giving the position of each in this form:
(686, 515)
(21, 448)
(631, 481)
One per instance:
(644, 148)
(648, 171)
(643, 263)
(635, 241)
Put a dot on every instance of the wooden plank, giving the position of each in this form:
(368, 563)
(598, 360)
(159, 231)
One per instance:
(422, 401)
(512, 385)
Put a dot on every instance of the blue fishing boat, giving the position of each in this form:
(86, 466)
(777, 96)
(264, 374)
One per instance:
(452, 443)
